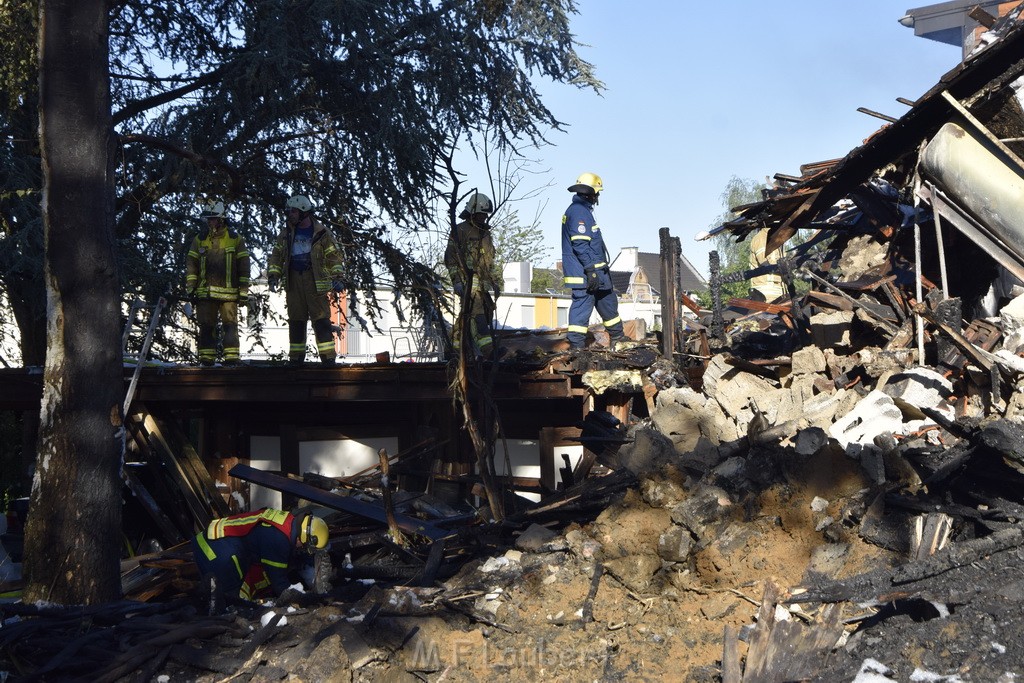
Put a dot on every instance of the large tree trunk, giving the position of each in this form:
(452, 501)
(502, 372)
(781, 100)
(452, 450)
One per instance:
(72, 539)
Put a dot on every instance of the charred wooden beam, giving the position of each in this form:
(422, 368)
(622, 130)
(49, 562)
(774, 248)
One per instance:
(360, 508)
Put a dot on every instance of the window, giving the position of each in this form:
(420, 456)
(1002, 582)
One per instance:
(527, 317)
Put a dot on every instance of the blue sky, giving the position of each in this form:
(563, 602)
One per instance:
(695, 96)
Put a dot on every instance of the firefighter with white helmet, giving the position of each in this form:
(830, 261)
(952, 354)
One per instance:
(217, 277)
(308, 262)
(469, 258)
(585, 264)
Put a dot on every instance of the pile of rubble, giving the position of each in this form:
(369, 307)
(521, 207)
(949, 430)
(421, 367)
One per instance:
(832, 488)
(843, 505)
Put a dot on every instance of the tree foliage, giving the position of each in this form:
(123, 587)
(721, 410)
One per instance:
(735, 254)
(355, 104)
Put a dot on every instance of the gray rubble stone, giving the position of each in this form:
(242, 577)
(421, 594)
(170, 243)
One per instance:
(831, 329)
(674, 545)
(919, 388)
(662, 493)
(534, 538)
(810, 440)
(809, 360)
(634, 571)
(650, 451)
(679, 422)
(707, 505)
(703, 457)
(718, 605)
(827, 560)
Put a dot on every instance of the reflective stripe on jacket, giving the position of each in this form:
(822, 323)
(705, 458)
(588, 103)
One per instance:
(242, 524)
(228, 284)
(326, 256)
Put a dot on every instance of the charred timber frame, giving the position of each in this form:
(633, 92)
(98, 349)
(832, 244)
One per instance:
(21, 389)
(324, 403)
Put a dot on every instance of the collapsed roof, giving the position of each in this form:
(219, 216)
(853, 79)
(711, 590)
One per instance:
(953, 158)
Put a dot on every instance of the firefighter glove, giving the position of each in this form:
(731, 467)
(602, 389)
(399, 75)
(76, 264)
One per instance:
(593, 281)
(459, 288)
(337, 285)
(273, 281)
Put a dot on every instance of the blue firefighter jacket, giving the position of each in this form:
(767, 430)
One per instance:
(582, 245)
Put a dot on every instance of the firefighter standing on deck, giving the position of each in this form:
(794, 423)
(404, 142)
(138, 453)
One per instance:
(248, 554)
(585, 264)
(217, 276)
(470, 258)
(307, 261)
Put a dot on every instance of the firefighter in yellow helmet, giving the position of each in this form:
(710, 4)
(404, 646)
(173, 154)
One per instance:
(585, 264)
(248, 554)
(309, 264)
(217, 277)
(469, 259)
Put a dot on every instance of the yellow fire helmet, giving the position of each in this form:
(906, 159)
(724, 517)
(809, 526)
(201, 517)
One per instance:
(313, 532)
(587, 183)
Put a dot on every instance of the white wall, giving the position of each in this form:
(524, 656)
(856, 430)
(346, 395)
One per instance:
(335, 458)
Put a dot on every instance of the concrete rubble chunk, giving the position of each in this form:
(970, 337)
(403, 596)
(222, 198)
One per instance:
(716, 426)
(1011, 320)
(810, 440)
(808, 361)
(874, 414)
(877, 362)
(831, 329)
(674, 545)
(535, 538)
(650, 451)
(920, 388)
(679, 422)
(862, 253)
(708, 504)
(731, 387)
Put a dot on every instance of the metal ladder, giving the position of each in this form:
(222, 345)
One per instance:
(155, 312)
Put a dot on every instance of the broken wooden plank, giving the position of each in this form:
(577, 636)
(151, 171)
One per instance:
(931, 533)
(731, 671)
(786, 650)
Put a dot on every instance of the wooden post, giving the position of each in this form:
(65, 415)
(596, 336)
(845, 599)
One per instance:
(669, 304)
(389, 508)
